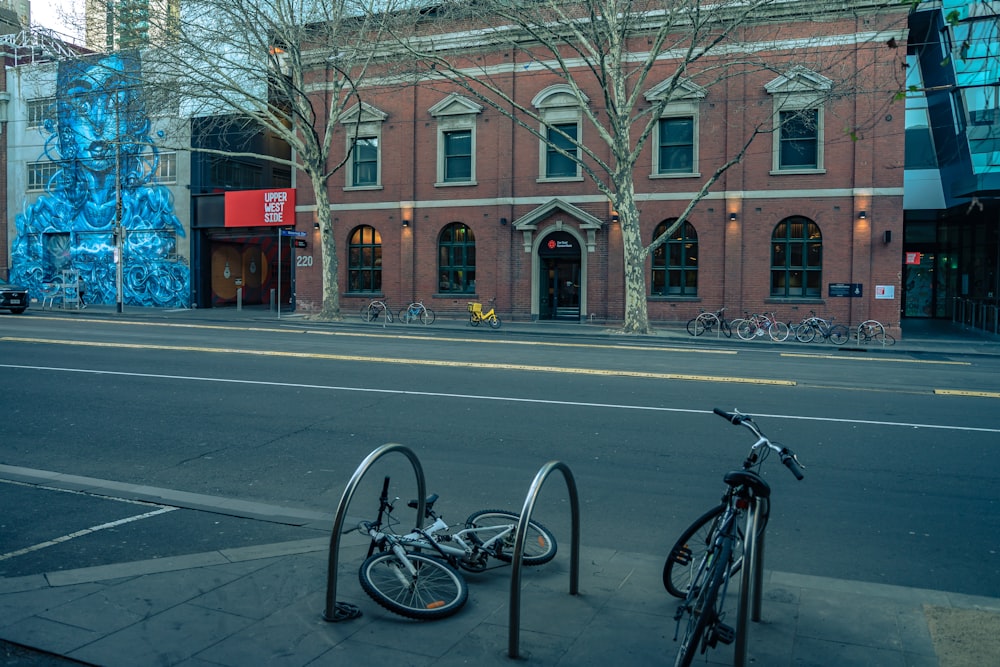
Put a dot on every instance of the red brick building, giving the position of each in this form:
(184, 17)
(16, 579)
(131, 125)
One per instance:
(448, 200)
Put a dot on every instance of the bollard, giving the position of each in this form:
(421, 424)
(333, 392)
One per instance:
(239, 298)
(274, 302)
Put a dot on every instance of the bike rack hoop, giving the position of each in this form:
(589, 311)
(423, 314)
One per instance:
(342, 611)
(518, 555)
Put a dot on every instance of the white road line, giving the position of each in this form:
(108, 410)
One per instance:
(477, 397)
(85, 531)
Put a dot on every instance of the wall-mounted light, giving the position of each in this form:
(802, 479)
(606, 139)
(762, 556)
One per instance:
(733, 216)
(862, 215)
(316, 225)
(887, 236)
(614, 217)
(406, 223)
(503, 221)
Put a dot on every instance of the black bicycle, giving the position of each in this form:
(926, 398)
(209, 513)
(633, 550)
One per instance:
(723, 541)
(710, 322)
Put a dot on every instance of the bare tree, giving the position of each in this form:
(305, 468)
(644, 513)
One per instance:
(626, 61)
(290, 68)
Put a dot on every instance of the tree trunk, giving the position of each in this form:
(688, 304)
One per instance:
(636, 313)
(331, 282)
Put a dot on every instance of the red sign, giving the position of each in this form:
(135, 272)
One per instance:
(913, 258)
(260, 208)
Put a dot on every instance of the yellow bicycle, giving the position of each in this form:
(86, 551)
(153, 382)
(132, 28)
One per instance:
(476, 314)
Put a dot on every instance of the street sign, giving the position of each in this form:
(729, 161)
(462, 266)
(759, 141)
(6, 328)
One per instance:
(291, 232)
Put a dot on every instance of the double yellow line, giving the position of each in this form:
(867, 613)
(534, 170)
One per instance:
(413, 362)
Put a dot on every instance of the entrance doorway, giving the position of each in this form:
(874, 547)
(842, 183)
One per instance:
(559, 281)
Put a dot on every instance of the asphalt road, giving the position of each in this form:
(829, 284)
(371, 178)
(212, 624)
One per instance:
(901, 482)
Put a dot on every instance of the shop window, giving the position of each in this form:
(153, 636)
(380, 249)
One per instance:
(457, 259)
(796, 259)
(364, 260)
(675, 262)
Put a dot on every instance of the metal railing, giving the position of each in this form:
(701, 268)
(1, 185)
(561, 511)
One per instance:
(343, 611)
(973, 314)
(522, 530)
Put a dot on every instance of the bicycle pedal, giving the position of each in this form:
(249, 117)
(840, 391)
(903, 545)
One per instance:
(683, 556)
(723, 633)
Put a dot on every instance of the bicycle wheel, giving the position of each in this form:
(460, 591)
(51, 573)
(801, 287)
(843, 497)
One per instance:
(725, 328)
(873, 331)
(710, 322)
(495, 322)
(404, 315)
(805, 333)
(839, 334)
(684, 559)
(427, 316)
(539, 543)
(369, 313)
(436, 591)
(746, 330)
(778, 331)
(695, 326)
(705, 611)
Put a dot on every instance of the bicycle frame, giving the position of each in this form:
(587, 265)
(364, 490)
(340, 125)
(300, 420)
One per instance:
(467, 553)
(745, 501)
(477, 315)
(426, 539)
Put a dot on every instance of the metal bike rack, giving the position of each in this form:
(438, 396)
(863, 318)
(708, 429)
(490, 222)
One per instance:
(518, 555)
(343, 611)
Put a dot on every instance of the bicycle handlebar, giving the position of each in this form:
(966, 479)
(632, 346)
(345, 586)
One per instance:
(787, 456)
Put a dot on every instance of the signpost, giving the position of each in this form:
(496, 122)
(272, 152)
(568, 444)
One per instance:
(284, 232)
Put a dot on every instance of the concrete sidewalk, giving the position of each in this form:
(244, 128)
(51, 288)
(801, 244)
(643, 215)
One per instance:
(264, 605)
(920, 336)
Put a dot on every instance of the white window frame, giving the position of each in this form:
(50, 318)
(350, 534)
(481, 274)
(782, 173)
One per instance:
(684, 101)
(166, 168)
(40, 173)
(797, 90)
(37, 109)
(363, 121)
(558, 105)
(455, 113)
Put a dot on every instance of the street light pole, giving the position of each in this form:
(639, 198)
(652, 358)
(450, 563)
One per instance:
(119, 235)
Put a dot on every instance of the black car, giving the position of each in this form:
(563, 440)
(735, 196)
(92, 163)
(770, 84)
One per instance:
(13, 297)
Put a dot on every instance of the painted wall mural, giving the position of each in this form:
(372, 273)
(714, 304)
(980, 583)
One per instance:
(100, 141)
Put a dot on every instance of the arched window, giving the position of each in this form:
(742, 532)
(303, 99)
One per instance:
(675, 263)
(457, 259)
(796, 259)
(364, 260)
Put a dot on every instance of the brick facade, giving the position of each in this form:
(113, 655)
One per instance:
(862, 171)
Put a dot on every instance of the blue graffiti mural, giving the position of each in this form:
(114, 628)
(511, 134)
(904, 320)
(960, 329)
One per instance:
(100, 141)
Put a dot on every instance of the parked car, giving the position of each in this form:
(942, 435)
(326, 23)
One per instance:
(13, 297)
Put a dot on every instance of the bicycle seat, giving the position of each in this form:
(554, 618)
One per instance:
(751, 480)
(428, 503)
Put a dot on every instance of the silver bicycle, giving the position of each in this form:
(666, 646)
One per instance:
(416, 574)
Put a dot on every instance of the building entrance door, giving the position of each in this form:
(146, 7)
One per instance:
(559, 283)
